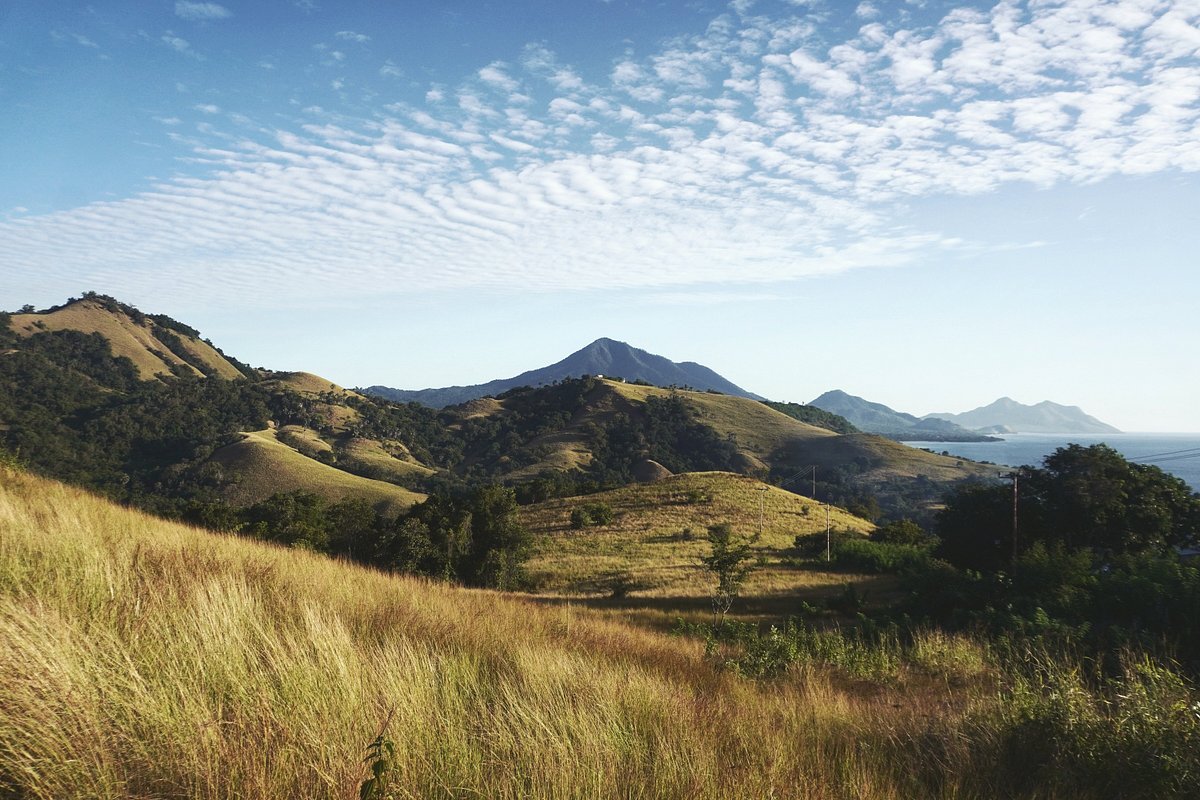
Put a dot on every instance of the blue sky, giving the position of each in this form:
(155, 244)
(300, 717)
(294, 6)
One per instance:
(927, 204)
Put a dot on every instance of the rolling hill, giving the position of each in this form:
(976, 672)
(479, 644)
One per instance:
(157, 345)
(653, 545)
(703, 431)
(171, 434)
(264, 465)
(603, 357)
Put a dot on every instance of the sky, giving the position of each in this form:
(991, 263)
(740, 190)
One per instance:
(927, 204)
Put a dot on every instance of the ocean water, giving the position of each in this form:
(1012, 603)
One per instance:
(1019, 449)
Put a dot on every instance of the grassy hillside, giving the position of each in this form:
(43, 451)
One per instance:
(307, 383)
(766, 440)
(760, 430)
(137, 340)
(145, 659)
(265, 465)
(657, 537)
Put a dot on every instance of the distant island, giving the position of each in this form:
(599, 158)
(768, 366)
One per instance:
(879, 419)
(1008, 416)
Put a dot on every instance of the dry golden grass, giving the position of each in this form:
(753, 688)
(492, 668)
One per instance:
(129, 339)
(389, 460)
(646, 543)
(264, 465)
(307, 383)
(887, 459)
(760, 430)
(144, 659)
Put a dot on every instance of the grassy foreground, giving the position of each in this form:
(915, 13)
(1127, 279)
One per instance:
(145, 659)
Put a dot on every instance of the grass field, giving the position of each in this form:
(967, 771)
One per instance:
(264, 465)
(144, 659)
(654, 544)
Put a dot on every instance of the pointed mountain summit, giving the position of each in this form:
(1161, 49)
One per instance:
(1045, 417)
(606, 357)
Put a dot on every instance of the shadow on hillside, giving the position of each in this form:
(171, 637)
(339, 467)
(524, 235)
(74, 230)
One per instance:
(877, 591)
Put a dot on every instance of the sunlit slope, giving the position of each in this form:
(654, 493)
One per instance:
(766, 439)
(263, 465)
(882, 459)
(307, 383)
(133, 339)
(658, 534)
(760, 430)
(140, 658)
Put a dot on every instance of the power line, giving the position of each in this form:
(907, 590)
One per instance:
(1190, 452)
(1171, 458)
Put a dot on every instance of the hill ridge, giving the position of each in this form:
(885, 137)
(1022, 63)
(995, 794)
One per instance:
(604, 357)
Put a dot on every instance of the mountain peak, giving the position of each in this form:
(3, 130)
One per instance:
(604, 356)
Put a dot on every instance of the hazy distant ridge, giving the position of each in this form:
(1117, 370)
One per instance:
(880, 419)
(1007, 415)
(602, 357)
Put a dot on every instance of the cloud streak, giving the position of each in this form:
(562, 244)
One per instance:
(201, 11)
(757, 151)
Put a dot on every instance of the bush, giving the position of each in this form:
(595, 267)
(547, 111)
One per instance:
(903, 531)
(863, 555)
(592, 514)
(812, 545)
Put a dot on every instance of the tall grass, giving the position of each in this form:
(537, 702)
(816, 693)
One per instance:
(144, 659)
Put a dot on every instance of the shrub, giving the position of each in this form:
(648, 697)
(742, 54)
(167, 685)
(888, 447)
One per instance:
(863, 555)
(592, 514)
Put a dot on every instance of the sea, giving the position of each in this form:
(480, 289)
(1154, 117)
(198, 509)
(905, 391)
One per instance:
(1176, 453)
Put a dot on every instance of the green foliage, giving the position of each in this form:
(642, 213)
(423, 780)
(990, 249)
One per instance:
(7, 336)
(864, 555)
(381, 762)
(731, 563)
(812, 545)
(1084, 497)
(592, 514)
(903, 531)
(1134, 735)
(814, 416)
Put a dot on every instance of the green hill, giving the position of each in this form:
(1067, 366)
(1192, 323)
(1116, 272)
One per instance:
(263, 465)
(156, 345)
(654, 543)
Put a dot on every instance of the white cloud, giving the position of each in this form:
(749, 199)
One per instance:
(77, 38)
(495, 74)
(351, 36)
(755, 151)
(176, 43)
(201, 11)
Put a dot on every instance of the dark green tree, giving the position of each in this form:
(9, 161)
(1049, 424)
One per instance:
(1082, 498)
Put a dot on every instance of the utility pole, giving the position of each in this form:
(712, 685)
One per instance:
(1014, 475)
(828, 529)
(762, 507)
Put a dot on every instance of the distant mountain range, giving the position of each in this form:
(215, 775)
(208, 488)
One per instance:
(878, 418)
(606, 357)
(1003, 416)
(1008, 416)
